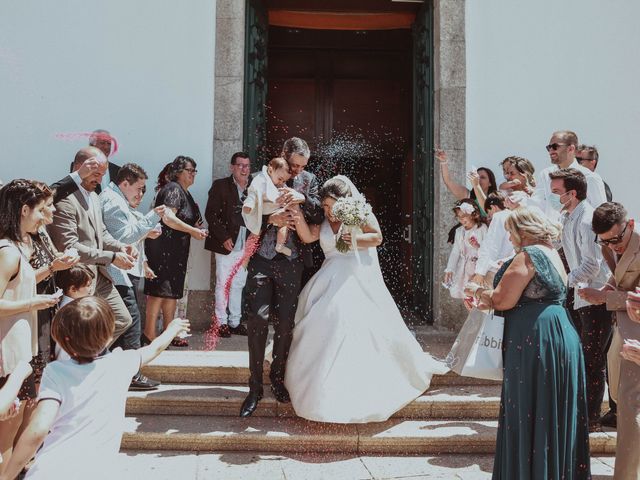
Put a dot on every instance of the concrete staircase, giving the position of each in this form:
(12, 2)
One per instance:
(197, 407)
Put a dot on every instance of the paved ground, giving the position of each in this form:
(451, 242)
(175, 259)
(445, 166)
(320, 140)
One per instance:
(244, 466)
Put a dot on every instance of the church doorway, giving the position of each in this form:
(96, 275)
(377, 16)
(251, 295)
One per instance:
(345, 81)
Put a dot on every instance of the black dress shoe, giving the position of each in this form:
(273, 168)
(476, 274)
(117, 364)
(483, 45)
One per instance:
(250, 404)
(140, 383)
(239, 330)
(609, 419)
(280, 392)
(224, 331)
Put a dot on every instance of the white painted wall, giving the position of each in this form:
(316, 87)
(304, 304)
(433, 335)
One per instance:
(538, 66)
(143, 70)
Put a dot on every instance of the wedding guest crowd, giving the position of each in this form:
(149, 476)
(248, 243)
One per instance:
(549, 252)
(72, 258)
(556, 239)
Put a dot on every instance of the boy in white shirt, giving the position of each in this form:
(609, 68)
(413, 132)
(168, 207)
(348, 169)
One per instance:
(81, 404)
(75, 282)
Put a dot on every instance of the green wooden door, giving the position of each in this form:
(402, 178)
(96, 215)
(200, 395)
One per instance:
(423, 181)
(255, 82)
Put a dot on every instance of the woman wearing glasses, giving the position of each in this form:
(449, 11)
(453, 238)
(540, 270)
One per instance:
(168, 254)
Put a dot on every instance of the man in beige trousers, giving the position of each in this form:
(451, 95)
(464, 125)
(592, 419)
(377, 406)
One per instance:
(618, 233)
(77, 223)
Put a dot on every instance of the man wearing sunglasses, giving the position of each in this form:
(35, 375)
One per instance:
(618, 233)
(562, 149)
(587, 156)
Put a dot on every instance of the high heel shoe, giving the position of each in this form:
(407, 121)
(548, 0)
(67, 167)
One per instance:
(144, 340)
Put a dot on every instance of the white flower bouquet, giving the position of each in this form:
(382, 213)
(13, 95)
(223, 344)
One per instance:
(354, 213)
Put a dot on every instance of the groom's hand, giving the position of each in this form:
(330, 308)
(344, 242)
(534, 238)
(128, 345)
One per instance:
(282, 219)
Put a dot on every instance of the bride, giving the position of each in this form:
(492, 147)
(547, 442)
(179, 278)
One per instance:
(352, 359)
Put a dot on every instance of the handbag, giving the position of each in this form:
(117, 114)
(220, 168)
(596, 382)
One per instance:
(477, 351)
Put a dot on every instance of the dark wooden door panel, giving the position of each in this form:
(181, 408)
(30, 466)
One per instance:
(291, 111)
(353, 107)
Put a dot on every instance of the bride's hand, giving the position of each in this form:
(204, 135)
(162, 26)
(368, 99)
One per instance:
(346, 236)
(296, 215)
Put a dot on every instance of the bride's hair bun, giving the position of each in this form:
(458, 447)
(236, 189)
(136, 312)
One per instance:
(335, 188)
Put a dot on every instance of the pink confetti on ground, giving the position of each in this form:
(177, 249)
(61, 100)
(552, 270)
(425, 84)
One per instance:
(78, 135)
(211, 336)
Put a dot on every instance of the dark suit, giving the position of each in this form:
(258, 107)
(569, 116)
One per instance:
(607, 191)
(66, 186)
(273, 285)
(223, 214)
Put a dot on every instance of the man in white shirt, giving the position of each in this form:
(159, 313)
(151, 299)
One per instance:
(227, 235)
(588, 157)
(496, 246)
(562, 150)
(587, 269)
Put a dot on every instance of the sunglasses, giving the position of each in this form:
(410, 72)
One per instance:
(613, 240)
(191, 170)
(582, 159)
(555, 146)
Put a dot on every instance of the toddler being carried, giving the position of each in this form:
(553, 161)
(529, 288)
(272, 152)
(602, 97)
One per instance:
(264, 197)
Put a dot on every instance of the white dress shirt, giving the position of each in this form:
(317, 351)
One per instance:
(586, 264)
(496, 246)
(596, 194)
(238, 245)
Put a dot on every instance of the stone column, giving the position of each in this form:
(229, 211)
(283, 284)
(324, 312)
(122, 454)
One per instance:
(227, 111)
(449, 134)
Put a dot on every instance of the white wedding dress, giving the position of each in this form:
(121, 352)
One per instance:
(352, 359)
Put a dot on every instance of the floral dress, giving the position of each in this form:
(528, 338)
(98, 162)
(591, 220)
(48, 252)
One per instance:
(43, 254)
(463, 257)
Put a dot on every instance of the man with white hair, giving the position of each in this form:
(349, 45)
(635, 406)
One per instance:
(77, 223)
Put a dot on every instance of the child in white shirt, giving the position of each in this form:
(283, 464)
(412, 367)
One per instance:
(263, 197)
(80, 411)
(75, 282)
(464, 255)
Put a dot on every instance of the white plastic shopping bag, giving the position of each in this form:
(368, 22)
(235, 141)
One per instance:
(477, 351)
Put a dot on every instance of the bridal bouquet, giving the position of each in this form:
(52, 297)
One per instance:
(354, 213)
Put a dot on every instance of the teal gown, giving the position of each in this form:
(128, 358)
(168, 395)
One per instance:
(542, 428)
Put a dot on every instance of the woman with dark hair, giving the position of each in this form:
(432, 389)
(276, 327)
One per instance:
(46, 260)
(483, 182)
(163, 176)
(352, 358)
(168, 254)
(22, 206)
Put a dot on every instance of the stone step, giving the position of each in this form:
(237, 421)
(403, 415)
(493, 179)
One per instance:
(232, 367)
(170, 465)
(451, 402)
(280, 435)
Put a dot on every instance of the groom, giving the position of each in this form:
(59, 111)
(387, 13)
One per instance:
(274, 280)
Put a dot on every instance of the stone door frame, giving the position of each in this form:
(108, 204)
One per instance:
(449, 119)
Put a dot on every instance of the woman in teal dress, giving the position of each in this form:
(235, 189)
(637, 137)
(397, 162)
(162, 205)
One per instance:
(542, 429)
